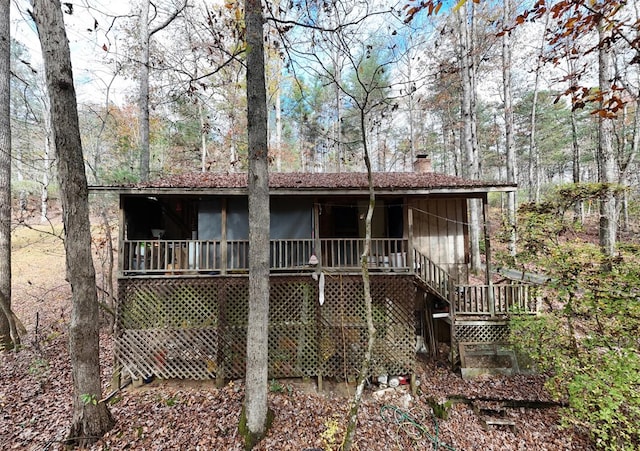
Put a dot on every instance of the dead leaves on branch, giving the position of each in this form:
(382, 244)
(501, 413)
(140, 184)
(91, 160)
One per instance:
(574, 20)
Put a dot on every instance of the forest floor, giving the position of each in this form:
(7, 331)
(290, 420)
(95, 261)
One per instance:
(36, 386)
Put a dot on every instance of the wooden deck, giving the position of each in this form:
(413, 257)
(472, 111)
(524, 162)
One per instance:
(183, 303)
(336, 255)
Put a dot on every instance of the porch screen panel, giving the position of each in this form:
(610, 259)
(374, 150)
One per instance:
(291, 232)
(238, 233)
(209, 228)
(291, 219)
(210, 220)
(237, 218)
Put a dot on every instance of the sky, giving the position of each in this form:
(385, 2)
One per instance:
(91, 69)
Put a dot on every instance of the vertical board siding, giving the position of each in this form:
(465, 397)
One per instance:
(440, 233)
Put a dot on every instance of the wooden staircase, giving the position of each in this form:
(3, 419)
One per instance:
(476, 314)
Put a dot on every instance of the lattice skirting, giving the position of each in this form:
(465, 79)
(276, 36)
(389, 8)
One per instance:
(195, 328)
(478, 332)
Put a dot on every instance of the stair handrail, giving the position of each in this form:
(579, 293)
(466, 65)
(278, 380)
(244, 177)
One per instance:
(434, 276)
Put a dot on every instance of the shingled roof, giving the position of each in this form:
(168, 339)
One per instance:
(287, 182)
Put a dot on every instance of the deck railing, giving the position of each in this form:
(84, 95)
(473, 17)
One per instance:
(475, 300)
(157, 257)
(498, 299)
(433, 275)
(174, 257)
(345, 253)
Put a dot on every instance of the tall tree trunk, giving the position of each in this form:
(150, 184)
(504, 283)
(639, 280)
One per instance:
(579, 207)
(91, 419)
(508, 127)
(469, 139)
(146, 32)
(47, 161)
(534, 156)
(203, 137)
(628, 163)
(255, 411)
(368, 303)
(143, 101)
(606, 160)
(576, 155)
(8, 333)
(278, 131)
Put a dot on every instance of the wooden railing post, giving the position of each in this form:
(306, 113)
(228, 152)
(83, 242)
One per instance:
(410, 254)
(487, 245)
(223, 239)
(491, 300)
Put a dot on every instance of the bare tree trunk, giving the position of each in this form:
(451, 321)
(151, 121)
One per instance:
(469, 136)
(571, 68)
(47, 161)
(534, 170)
(371, 331)
(633, 152)
(337, 126)
(143, 100)
(91, 419)
(9, 337)
(508, 127)
(278, 131)
(606, 159)
(203, 137)
(255, 411)
(534, 157)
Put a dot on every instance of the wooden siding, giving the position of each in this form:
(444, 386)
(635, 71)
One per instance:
(440, 232)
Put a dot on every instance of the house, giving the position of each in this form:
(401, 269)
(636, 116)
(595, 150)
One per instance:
(183, 273)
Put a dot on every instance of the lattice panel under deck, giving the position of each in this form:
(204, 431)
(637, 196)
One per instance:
(481, 333)
(477, 333)
(343, 327)
(292, 327)
(195, 328)
(168, 328)
(233, 326)
(293, 350)
(166, 353)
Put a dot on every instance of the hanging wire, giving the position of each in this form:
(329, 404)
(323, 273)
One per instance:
(443, 218)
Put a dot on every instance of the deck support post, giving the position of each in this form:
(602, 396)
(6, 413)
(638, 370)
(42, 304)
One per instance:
(413, 384)
(223, 239)
(317, 244)
(116, 376)
(487, 247)
(410, 252)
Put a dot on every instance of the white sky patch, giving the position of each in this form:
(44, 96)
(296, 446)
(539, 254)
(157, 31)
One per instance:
(87, 33)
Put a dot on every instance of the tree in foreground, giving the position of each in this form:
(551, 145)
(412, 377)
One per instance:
(254, 420)
(368, 90)
(91, 418)
(9, 337)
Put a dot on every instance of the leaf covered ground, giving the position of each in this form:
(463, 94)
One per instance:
(35, 394)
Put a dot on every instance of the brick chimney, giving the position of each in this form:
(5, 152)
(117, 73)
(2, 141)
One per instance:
(422, 163)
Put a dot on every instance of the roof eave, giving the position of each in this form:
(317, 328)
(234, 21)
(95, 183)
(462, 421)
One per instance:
(454, 190)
